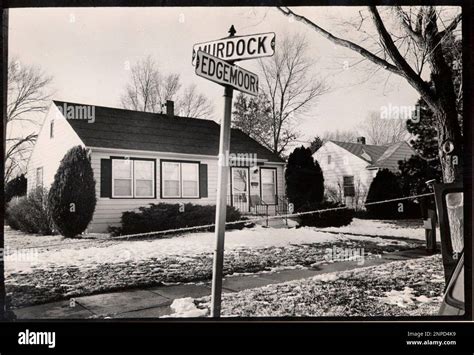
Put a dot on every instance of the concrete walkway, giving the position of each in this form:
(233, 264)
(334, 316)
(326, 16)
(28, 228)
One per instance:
(155, 302)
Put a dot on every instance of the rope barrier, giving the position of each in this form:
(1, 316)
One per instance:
(248, 220)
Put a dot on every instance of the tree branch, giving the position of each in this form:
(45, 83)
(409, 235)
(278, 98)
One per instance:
(342, 42)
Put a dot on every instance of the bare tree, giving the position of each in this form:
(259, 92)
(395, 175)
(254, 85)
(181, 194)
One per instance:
(148, 89)
(194, 104)
(414, 30)
(290, 86)
(349, 136)
(382, 131)
(27, 96)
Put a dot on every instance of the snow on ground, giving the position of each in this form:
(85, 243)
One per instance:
(381, 227)
(185, 308)
(398, 288)
(188, 245)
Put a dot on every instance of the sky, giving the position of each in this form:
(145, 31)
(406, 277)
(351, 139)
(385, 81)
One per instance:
(88, 51)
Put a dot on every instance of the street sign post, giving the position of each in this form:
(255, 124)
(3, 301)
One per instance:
(221, 72)
(215, 61)
(238, 47)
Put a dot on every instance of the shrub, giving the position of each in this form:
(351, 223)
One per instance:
(15, 187)
(385, 186)
(304, 178)
(336, 218)
(72, 195)
(30, 214)
(164, 216)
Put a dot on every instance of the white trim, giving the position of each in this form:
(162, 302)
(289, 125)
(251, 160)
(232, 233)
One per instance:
(182, 180)
(247, 188)
(131, 179)
(162, 182)
(153, 173)
(170, 155)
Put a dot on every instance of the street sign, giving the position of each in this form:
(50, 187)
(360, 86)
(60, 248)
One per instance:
(215, 61)
(221, 72)
(238, 47)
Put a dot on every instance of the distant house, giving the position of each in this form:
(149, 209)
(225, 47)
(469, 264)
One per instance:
(349, 168)
(140, 158)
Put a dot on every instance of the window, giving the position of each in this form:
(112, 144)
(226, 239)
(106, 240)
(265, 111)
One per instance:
(144, 177)
(268, 177)
(39, 177)
(180, 180)
(349, 186)
(171, 179)
(133, 178)
(51, 129)
(190, 177)
(329, 159)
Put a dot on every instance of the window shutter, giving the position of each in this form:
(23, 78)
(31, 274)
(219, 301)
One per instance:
(105, 177)
(202, 180)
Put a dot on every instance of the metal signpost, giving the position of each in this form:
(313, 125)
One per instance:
(215, 61)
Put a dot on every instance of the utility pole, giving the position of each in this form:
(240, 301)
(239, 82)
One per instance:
(221, 206)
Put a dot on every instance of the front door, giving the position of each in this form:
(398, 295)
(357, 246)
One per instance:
(240, 189)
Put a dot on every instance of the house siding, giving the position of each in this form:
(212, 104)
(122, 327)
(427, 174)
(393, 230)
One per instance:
(108, 211)
(344, 163)
(48, 152)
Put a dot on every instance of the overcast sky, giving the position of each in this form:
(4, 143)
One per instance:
(87, 51)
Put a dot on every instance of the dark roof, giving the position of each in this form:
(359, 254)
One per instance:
(126, 129)
(358, 149)
(393, 154)
(380, 156)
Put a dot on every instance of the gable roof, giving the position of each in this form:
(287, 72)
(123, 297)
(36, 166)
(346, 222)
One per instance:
(126, 129)
(358, 149)
(393, 154)
(379, 156)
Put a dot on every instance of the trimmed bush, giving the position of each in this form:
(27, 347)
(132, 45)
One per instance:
(15, 187)
(385, 186)
(72, 195)
(30, 214)
(164, 216)
(304, 179)
(336, 218)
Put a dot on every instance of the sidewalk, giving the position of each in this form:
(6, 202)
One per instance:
(155, 302)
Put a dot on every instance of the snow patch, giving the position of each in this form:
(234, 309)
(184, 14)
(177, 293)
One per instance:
(185, 308)
(374, 227)
(326, 277)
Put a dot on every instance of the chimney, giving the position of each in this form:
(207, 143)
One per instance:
(361, 140)
(170, 108)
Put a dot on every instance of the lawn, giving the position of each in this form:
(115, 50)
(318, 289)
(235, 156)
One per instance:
(399, 288)
(66, 268)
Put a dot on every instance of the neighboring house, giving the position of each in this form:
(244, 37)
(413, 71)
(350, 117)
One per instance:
(140, 158)
(349, 168)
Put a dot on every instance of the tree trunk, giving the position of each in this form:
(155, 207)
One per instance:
(445, 97)
(448, 131)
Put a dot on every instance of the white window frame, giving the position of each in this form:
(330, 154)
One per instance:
(180, 195)
(131, 179)
(152, 179)
(163, 179)
(133, 194)
(274, 172)
(182, 180)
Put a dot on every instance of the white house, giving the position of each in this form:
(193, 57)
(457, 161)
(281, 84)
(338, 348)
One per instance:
(349, 168)
(140, 158)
